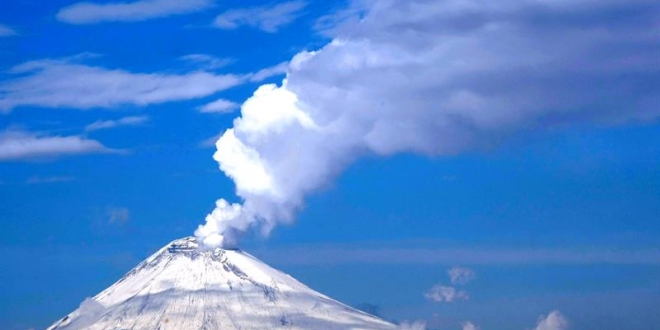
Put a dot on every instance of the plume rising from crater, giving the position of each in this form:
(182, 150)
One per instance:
(433, 78)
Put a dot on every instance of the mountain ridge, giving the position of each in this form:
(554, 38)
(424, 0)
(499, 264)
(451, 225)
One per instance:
(185, 287)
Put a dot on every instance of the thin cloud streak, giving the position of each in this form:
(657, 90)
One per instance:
(451, 256)
(50, 179)
(126, 121)
(266, 18)
(272, 71)
(66, 83)
(92, 13)
(16, 145)
(219, 106)
(206, 62)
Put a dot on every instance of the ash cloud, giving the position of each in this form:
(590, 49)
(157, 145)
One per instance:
(433, 78)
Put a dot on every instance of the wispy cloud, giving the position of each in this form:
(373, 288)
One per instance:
(460, 275)
(6, 31)
(210, 142)
(206, 62)
(126, 121)
(16, 145)
(50, 179)
(91, 13)
(329, 255)
(444, 293)
(553, 321)
(266, 73)
(67, 83)
(265, 18)
(118, 215)
(219, 106)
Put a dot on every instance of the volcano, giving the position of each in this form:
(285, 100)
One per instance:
(184, 287)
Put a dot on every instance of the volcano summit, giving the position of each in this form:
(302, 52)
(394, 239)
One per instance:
(183, 287)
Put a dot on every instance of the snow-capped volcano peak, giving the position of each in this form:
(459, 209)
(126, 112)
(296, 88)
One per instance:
(183, 286)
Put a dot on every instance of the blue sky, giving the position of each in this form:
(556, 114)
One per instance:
(519, 141)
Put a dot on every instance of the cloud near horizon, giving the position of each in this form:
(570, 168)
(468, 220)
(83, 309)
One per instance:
(433, 78)
(555, 320)
(18, 145)
(93, 13)
(444, 293)
(67, 83)
(265, 18)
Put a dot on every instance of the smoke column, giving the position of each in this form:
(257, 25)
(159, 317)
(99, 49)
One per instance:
(433, 78)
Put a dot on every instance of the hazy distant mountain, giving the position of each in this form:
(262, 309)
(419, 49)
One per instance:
(182, 287)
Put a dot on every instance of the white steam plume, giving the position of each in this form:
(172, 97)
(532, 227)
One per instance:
(430, 77)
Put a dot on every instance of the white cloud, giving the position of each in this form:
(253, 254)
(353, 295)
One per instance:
(6, 31)
(126, 121)
(66, 83)
(470, 326)
(553, 321)
(219, 106)
(207, 62)
(443, 293)
(263, 74)
(20, 145)
(434, 78)
(265, 18)
(50, 179)
(417, 325)
(91, 13)
(118, 215)
(460, 275)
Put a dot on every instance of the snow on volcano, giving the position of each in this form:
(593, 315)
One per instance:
(183, 287)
